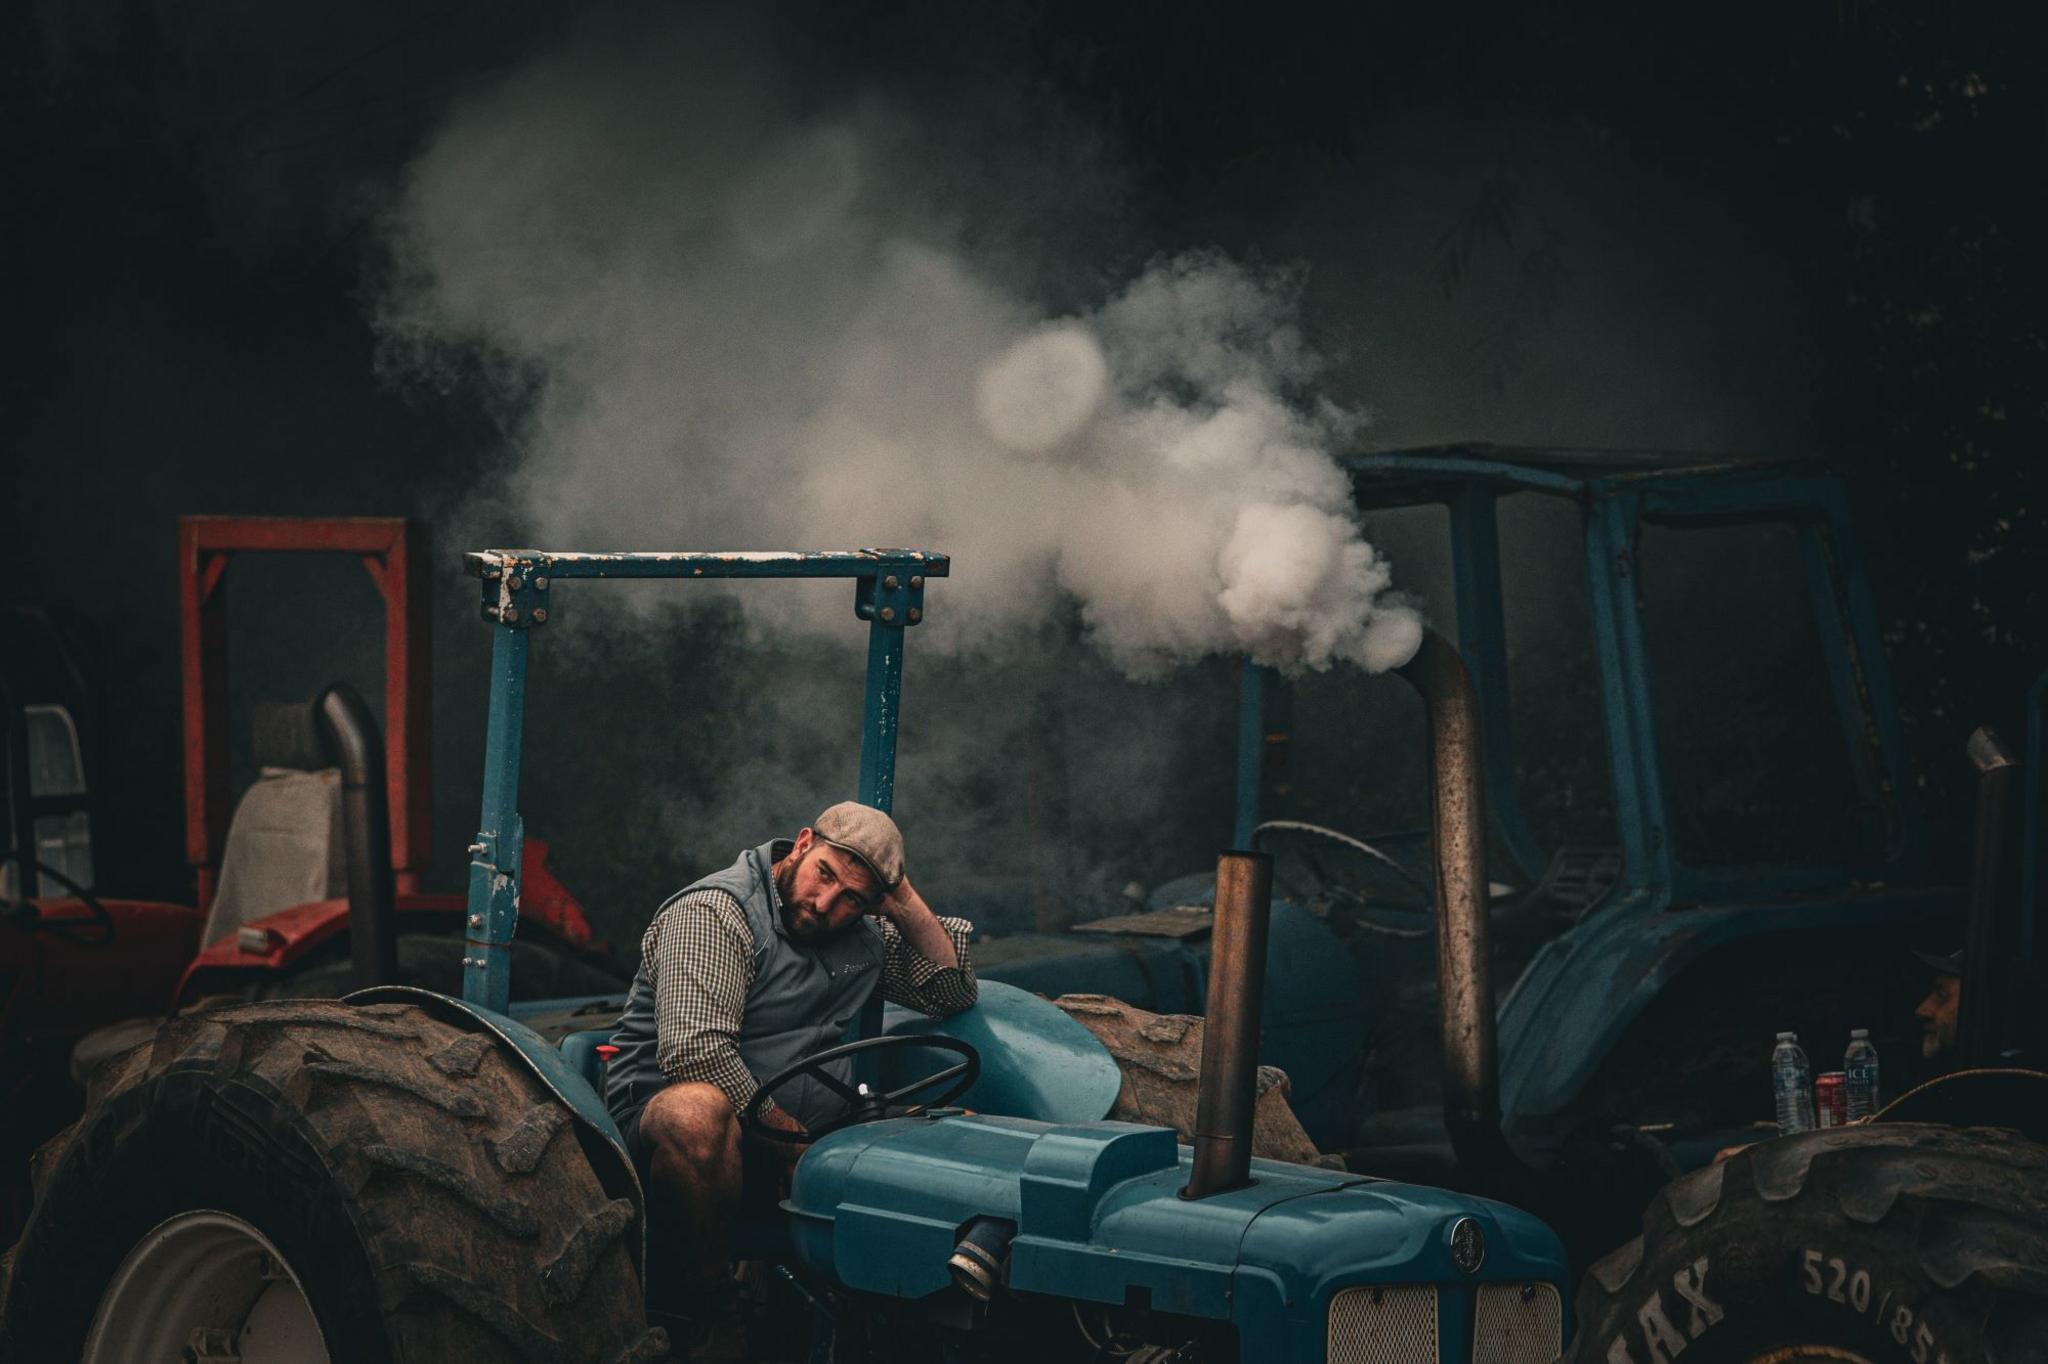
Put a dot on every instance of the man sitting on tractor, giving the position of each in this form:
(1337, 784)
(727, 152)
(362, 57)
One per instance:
(741, 974)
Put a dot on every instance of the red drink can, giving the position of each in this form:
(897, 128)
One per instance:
(1831, 1099)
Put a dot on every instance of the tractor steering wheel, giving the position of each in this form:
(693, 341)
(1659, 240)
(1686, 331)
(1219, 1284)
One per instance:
(866, 1105)
(1312, 863)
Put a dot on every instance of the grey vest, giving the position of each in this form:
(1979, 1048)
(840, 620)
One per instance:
(803, 1000)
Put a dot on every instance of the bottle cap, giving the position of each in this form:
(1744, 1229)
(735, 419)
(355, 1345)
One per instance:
(1858, 1032)
(1788, 1037)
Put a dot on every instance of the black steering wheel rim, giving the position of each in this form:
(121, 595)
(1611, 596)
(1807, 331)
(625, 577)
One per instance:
(864, 1106)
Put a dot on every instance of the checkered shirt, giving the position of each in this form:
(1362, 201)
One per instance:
(699, 957)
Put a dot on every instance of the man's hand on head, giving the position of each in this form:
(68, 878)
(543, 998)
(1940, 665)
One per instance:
(914, 919)
(899, 900)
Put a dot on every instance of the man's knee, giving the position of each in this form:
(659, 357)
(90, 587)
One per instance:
(692, 1123)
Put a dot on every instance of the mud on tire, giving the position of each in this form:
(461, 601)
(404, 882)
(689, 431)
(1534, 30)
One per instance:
(1890, 1243)
(431, 1195)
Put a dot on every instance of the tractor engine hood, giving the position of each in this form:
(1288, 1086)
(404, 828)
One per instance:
(880, 1207)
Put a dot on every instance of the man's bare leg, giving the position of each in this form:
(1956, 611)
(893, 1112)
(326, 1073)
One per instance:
(693, 1143)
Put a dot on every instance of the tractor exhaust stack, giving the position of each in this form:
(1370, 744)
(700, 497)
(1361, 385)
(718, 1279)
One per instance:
(1464, 968)
(349, 732)
(1230, 1034)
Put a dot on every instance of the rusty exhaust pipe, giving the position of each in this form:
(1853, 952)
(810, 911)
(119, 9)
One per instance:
(1230, 1029)
(1464, 967)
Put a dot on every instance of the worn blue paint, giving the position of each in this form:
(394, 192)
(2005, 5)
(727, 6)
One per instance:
(859, 563)
(494, 859)
(1036, 1062)
(877, 1208)
(880, 715)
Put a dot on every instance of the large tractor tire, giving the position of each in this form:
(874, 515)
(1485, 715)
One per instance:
(311, 1182)
(1889, 1243)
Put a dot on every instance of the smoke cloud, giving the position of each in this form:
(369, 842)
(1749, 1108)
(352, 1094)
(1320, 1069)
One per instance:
(723, 314)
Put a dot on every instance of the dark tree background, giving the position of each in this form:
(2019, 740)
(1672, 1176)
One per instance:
(193, 191)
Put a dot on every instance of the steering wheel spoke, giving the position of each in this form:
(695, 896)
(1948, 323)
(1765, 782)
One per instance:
(837, 1086)
(863, 1106)
(928, 1082)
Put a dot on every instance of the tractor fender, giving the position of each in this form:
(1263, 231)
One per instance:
(1583, 991)
(596, 1132)
(1036, 1061)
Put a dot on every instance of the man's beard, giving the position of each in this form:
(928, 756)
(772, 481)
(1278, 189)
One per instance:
(800, 926)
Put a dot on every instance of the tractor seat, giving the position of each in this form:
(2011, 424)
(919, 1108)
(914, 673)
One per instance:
(284, 845)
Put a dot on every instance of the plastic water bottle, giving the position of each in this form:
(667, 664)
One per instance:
(1859, 1065)
(1792, 1079)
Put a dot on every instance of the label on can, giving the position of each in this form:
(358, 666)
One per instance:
(1830, 1099)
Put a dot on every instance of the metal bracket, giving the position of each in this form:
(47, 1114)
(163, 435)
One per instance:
(890, 598)
(515, 586)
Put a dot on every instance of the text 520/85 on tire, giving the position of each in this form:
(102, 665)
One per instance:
(1891, 1244)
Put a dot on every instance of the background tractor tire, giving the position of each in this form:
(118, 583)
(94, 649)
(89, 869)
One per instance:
(430, 1197)
(1888, 1243)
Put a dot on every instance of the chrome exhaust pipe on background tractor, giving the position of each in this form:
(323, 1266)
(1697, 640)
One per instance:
(349, 733)
(1230, 1029)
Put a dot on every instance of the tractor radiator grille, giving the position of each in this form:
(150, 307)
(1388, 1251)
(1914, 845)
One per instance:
(1384, 1325)
(1517, 1323)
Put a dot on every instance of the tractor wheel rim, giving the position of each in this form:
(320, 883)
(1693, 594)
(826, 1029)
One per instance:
(202, 1286)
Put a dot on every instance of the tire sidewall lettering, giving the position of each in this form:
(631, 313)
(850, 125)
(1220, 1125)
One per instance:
(1664, 1320)
(1898, 1309)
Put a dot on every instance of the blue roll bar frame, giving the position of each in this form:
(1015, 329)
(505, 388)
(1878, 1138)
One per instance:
(517, 586)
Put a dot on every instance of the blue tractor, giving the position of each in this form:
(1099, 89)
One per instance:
(1684, 820)
(409, 1176)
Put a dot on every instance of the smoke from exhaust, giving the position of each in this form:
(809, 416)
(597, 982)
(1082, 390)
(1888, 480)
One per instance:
(722, 317)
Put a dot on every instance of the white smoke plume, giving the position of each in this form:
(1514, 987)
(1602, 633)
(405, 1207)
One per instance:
(729, 319)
